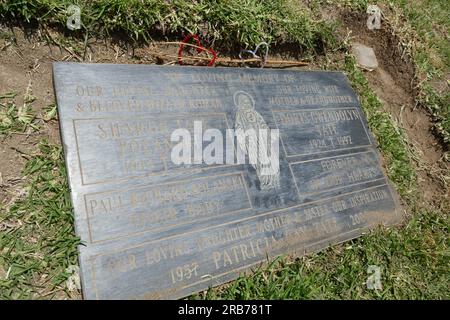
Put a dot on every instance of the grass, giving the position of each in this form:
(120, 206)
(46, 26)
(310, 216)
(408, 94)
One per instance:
(429, 18)
(429, 23)
(225, 23)
(37, 241)
(14, 119)
(22, 119)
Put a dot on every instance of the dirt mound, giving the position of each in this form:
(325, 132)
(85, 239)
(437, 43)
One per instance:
(393, 82)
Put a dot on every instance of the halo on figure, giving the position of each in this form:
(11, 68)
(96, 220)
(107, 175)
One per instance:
(239, 93)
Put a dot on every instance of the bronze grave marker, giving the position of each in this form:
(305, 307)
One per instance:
(156, 228)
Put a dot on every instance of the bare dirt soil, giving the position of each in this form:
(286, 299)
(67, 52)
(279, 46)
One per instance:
(24, 68)
(394, 83)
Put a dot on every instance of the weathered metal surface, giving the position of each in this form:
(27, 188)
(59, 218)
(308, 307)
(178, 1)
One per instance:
(153, 229)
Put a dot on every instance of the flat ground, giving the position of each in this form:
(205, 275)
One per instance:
(405, 100)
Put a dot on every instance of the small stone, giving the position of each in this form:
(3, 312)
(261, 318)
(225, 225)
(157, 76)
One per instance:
(365, 56)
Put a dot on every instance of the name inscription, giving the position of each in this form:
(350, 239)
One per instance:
(127, 212)
(114, 149)
(305, 132)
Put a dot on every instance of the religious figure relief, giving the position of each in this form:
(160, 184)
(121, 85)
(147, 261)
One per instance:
(248, 121)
